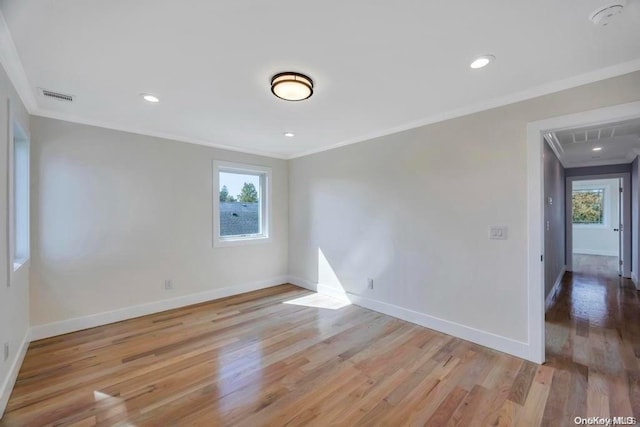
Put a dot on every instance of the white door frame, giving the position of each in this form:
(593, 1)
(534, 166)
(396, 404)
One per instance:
(625, 255)
(535, 208)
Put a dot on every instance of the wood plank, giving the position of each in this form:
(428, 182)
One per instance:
(252, 360)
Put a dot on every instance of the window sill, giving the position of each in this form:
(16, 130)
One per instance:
(17, 265)
(240, 241)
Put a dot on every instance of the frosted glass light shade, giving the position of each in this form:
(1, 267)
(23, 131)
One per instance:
(292, 86)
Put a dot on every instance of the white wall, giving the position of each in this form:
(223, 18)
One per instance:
(412, 211)
(114, 214)
(599, 239)
(14, 303)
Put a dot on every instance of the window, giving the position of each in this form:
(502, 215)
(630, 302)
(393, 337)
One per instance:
(20, 197)
(588, 206)
(241, 201)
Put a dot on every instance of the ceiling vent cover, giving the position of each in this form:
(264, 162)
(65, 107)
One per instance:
(56, 95)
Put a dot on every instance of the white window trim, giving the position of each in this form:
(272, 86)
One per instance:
(265, 196)
(13, 264)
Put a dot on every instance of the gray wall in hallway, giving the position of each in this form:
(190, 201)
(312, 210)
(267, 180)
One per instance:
(635, 219)
(554, 211)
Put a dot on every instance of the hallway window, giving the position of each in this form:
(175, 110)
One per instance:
(588, 206)
(20, 201)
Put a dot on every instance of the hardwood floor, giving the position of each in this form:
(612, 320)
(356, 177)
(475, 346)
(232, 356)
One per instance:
(278, 357)
(593, 342)
(595, 265)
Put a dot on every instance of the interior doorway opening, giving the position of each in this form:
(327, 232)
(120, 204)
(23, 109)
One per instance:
(598, 215)
(538, 204)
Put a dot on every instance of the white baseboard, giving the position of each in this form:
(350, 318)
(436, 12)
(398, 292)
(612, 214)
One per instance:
(12, 375)
(303, 283)
(487, 339)
(554, 291)
(91, 321)
(340, 294)
(634, 278)
(595, 252)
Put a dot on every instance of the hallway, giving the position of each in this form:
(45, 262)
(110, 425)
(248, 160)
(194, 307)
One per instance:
(605, 266)
(593, 341)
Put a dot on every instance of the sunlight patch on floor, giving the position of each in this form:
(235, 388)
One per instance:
(117, 405)
(98, 396)
(319, 301)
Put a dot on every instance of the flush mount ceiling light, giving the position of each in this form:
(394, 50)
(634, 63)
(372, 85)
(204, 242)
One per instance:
(150, 98)
(291, 86)
(597, 148)
(482, 61)
(289, 134)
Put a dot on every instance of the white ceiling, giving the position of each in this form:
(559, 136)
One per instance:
(379, 66)
(619, 143)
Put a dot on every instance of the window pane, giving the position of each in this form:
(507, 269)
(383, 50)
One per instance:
(21, 199)
(588, 206)
(240, 204)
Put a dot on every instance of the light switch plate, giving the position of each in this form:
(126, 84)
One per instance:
(498, 232)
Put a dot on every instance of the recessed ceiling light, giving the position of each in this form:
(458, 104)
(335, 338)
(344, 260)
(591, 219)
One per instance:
(597, 148)
(291, 86)
(482, 61)
(150, 98)
(289, 134)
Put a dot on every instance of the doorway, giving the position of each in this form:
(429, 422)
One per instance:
(598, 224)
(536, 132)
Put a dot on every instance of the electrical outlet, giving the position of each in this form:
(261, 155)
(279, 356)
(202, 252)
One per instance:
(6, 351)
(168, 284)
(370, 283)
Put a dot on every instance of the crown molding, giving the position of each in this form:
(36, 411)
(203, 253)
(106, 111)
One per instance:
(13, 66)
(555, 145)
(535, 92)
(609, 162)
(146, 132)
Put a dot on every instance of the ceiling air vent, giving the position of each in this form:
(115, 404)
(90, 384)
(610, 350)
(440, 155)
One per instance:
(56, 95)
